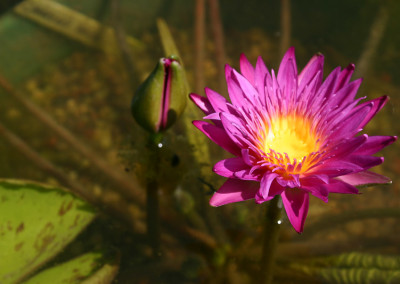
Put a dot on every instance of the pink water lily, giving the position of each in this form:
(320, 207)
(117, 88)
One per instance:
(291, 134)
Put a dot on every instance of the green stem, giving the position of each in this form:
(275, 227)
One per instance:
(152, 200)
(271, 236)
(153, 215)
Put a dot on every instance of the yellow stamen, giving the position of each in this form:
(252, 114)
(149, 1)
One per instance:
(290, 135)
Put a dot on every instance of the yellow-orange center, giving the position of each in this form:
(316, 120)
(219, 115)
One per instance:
(291, 135)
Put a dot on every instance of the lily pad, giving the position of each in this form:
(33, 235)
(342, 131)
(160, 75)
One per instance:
(36, 222)
(87, 268)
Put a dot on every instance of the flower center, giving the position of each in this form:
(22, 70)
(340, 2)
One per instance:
(290, 138)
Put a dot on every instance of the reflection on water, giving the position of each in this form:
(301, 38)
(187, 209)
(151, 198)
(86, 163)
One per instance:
(65, 120)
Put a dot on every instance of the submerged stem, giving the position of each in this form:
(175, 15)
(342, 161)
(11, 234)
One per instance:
(152, 200)
(271, 236)
(153, 215)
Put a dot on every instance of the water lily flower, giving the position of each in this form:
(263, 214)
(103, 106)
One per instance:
(161, 98)
(291, 134)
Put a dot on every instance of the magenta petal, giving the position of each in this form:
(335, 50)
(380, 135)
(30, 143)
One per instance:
(296, 206)
(344, 77)
(261, 72)
(234, 191)
(248, 174)
(238, 98)
(313, 68)
(265, 184)
(228, 167)
(218, 102)
(334, 168)
(248, 89)
(315, 185)
(288, 62)
(218, 136)
(309, 93)
(202, 103)
(246, 69)
(377, 106)
(351, 124)
(346, 94)
(327, 87)
(375, 144)
(287, 79)
(247, 158)
(318, 191)
(363, 178)
(338, 186)
(234, 128)
(365, 162)
(274, 189)
(214, 117)
(348, 146)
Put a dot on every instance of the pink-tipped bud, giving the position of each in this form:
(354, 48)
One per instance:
(161, 98)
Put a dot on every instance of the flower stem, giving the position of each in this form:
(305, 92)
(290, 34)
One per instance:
(153, 215)
(271, 236)
(152, 200)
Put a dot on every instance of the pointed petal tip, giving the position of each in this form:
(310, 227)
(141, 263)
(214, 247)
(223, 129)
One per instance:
(380, 102)
(234, 190)
(351, 67)
(385, 98)
(296, 203)
(243, 57)
(299, 230)
(289, 55)
(318, 57)
(196, 98)
(207, 89)
(191, 95)
(213, 203)
(358, 81)
(197, 123)
(228, 68)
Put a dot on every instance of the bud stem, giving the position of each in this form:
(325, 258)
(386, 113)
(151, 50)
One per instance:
(152, 198)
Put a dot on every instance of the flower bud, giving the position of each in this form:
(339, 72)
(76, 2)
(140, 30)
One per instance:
(161, 98)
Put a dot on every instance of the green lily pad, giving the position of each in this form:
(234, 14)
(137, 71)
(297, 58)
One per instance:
(36, 222)
(87, 268)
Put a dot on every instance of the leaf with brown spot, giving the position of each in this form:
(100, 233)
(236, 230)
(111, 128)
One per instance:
(18, 246)
(20, 228)
(32, 230)
(65, 208)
